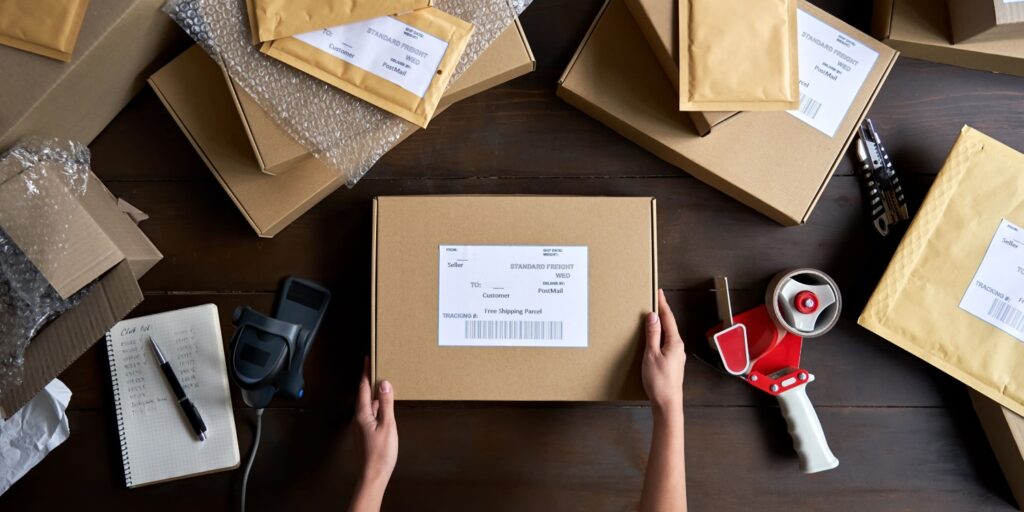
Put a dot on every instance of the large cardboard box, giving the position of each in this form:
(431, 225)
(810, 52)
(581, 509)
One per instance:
(1005, 432)
(468, 303)
(773, 162)
(100, 246)
(192, 88)
(119, 42)
(986, 19)
(920, 29)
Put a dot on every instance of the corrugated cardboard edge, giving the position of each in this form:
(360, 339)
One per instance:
(373, 297)
(654, 253)
(881, 24)
(1005, 432)
(50, 353)
(876, 314)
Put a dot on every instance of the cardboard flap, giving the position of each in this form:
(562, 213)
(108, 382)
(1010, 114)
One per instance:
(120, 227)
(53, 230)
(70, 335)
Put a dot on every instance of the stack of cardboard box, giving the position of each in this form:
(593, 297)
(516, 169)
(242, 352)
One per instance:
(271, 178)
(776, 162)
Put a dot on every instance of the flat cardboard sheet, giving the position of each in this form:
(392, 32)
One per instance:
(46, 27)
(71, 334)
(430, 43)
(920, 30)
(274, 19)
(770, 161)
(192, 88)
(119, 42)
(737, 55)
(918, 305)
(621, 240)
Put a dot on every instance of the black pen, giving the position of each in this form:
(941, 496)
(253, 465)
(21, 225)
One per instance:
(187, 406)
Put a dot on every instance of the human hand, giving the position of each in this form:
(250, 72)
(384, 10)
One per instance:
(378, 433)
(664, 359)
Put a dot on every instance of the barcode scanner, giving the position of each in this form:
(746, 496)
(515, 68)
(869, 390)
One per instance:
(267, 353)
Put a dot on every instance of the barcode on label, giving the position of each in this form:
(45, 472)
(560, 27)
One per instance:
(809, 106)
(1006, 314)
(513, 330)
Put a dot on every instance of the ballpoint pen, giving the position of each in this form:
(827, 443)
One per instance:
(187, 406)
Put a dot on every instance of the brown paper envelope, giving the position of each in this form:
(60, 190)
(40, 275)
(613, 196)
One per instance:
(274, 19)
(397, 84)
(46, 27)
(738, 55)
(918, 304)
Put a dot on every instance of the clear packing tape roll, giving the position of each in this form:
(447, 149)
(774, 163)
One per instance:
(347, 134)
(27, 300)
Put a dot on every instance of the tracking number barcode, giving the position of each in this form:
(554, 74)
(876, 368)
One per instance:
(809, 106)
(513, 330)
(1007, 314)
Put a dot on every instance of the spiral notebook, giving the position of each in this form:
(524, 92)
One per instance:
(157, 443)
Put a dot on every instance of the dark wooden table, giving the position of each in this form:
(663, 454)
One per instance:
(905, 433)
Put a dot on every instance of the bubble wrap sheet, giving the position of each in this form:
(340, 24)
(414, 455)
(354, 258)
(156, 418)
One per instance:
(27, 301)
(347, 134)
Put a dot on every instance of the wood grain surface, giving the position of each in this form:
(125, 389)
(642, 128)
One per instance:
(905, 433)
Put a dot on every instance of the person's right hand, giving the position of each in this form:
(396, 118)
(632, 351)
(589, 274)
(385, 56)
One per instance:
(664, 358)
(378, 431)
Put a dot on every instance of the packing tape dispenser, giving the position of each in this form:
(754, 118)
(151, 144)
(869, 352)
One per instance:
(762, 346)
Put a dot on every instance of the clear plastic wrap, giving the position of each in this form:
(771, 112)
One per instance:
(27, 300)
(347, 134)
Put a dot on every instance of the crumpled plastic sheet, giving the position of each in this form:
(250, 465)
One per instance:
(346, 133)
(27, 301)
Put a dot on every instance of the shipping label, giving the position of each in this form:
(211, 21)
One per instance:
(996, 294)
(386, 47)
(833, 67)
(512, 296)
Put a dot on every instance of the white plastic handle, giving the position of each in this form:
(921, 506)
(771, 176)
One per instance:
(808, 438)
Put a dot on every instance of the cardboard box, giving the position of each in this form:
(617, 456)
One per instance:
(772, 161)
(276, 152)
(119, 41)
(1005, 432)
(192, 88)
(919, 29)
(620, 287)
(988, 20)
(658, 21)
(103, 247)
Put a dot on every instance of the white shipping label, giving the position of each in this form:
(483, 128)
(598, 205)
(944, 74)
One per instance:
(833, 67)
(996, 294)
(512, 296)
(1012, 1)
(386, 47)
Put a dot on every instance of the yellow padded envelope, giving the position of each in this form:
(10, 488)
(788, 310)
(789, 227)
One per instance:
(274, 19)
(738, 55)
(46, 27)
(953, 294)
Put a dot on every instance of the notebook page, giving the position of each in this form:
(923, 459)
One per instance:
(157, 442)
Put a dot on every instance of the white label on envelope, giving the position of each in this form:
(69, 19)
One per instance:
(833, 67)
(1012, 1)
(512, 296)
(386, 47)
(996, 294)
